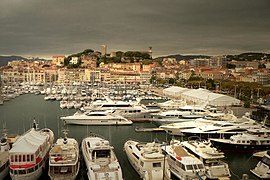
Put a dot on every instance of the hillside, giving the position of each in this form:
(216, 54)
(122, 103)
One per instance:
(4, 59)
(181, 57)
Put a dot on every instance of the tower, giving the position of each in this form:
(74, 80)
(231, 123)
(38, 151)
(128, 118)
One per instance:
(150, 52)
(103, 50)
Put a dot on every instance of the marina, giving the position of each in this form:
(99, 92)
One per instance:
(48, 113)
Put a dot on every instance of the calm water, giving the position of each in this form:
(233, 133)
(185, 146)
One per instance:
(18, 115)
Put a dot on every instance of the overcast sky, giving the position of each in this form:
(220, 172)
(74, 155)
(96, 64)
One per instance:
(61, 27)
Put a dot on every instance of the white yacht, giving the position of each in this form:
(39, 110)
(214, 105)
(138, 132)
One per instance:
(220, 129)
(172, 104)
(182, 164)
(29, 153)
(96, 118)
(125, 109)
(186, 110)
(100, 160)
(64, 162)
(147, 159)
(262, 169)
(4, 156)
(215, 168)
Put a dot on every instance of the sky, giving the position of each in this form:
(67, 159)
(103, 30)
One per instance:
(43, 28)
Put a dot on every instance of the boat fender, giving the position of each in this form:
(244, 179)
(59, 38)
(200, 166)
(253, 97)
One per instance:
(179, 158)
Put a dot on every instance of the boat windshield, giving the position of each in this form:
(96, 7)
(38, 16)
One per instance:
(266, 161)
(102, 153)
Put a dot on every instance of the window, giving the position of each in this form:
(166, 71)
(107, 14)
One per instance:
(189, 167)
(157, 164)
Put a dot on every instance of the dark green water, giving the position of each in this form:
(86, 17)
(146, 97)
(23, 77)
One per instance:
(18, 115)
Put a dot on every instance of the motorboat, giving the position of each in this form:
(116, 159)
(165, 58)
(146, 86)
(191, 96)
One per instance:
(147, 159)
(126, 109)
(29, 153)
(172, 104)
(186, 110)
(4, 155)
(262, 169)
(215, 167)
(100, 159)
(182, 164)
(253, 140)
(220, 129)
(210, 119)
(96, 118)
(64, 162)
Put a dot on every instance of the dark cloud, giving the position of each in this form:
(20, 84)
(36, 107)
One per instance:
(45, 28)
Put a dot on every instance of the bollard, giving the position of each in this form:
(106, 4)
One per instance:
(245, 177)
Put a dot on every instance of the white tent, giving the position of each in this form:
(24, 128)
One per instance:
(203, 96)
(174, 91)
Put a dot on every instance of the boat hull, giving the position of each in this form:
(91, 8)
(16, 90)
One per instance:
(229, 147)
(30, 176)
(96, 122)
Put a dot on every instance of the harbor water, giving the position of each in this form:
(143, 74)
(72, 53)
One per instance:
(17, 116)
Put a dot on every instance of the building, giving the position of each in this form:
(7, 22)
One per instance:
(103, 50)
(58, 60)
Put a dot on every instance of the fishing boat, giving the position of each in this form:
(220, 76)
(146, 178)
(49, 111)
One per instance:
(100, 159)
(64, 160)
(147, 159)
(96, 118)
(4, 155)
(29, 153)
(182, 164)
(262, 169)
(215, 167)
(253, 140)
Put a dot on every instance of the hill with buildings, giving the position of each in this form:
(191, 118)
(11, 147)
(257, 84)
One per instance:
(249, 56)
(4, 59)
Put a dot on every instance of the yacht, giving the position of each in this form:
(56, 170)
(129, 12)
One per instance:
(212, 118)
(125, 109)
(64, 162)
(186, 110)
(96, 118)
(172, 104)
(4, 156)
(147, 159)
(100, 160)
(29, 153)
(254, 139)
(182, 164)
(220, 129)
(262, 169)
(215, 168)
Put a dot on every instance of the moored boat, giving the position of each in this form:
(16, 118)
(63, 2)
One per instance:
(96, 118)
(29, 153)
(64, 160)
(262, 169)
(253, 140)
(182, 164)
(100, 159)
(147, 159)
(215, 167)
(4, 155)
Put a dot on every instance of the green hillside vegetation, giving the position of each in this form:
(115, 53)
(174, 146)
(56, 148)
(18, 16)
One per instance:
(248, 57)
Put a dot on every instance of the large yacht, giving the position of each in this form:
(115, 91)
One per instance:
(126, 109)
(262, 169)
(64, 162)
(147, 159)
(220, 129)
(96, 118)
(254, 139)
(215, 168)
(100, 159)
(29, 153)
(172, 104)
(182, 164)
